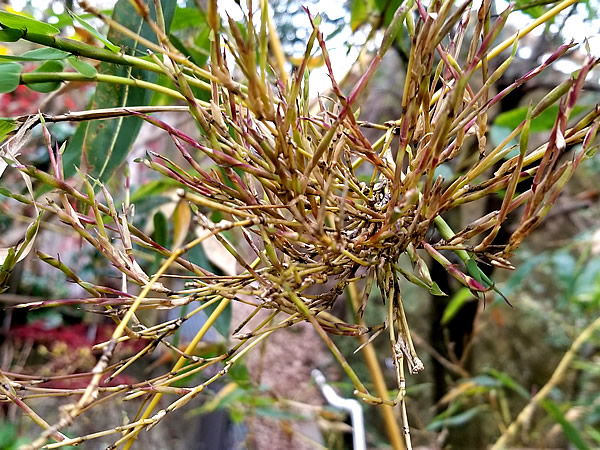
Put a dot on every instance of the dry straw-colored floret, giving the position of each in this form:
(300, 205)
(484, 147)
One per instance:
(315, 200)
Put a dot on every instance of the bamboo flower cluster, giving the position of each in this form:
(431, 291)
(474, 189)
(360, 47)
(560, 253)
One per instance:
(313, 199)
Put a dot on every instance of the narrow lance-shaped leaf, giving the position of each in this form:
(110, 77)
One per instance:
(455, 421)
(10, 35)
(456, 303)
(360, 10)
(570, 429)
(90, 29)
(20, 22)
(543, 122)
(102, 146)
(160, 236)
(9, 76)
(82, 67)
(10, 256)
(39, 54)
(510, 383)
(6, 126)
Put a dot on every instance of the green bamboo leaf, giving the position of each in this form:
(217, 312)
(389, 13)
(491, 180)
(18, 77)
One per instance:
(10, 256)
(524, 140)
(531, 8)
(160, 229)
(102, 146)
(82, 67)
(8, 435)
(26, 245)
(543, 122)
(160, 236)
(434, 289)
(10, 35)
(196, 49)
(221, 401)
(509, 382)
(593, 433)
(10, 74)
(568, 428)
(239, 373)
(47, 67)
(359, 12)
(456, 420)
(90, 29)
(485, 381)
(39, 54)
(223, 322)
(461, 297)
(9, 20)
(44, 54)
(153, 189)
(6, 126)
(160, 98)
(187, 18)
(198, 57)
(278, 414)
(197, 256)
(238, 415)
(591, 367)
(387, 8)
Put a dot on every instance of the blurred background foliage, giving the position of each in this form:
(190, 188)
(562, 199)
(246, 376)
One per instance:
(482, 365)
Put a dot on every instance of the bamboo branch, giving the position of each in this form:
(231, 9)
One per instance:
(557, 376)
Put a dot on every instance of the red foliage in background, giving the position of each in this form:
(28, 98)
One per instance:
(70, 348)
(19, 102)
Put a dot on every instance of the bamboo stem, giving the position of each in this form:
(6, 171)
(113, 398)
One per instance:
(390, 422)
(42, 77)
